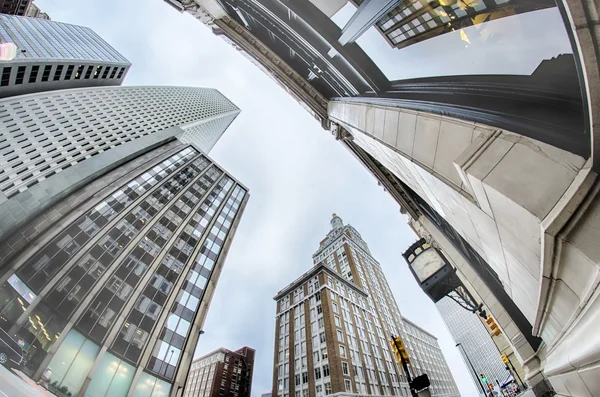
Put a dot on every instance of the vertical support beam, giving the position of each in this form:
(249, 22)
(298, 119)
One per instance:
(367, 14)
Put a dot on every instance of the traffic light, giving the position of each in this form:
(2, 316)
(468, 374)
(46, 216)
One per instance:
(493, 326)
(400, 350)
(504, 358)
(483, 379)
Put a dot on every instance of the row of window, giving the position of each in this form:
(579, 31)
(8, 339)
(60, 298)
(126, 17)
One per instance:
(52, 131)
(29, 74)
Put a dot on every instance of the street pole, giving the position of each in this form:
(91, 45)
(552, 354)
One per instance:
(473, 368)
(405, 366)
(500, 387)
(522, 385)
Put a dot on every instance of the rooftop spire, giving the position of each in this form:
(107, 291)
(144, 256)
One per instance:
(336, 222)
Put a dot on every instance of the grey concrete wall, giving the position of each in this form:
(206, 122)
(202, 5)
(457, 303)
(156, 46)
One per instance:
(30, 88)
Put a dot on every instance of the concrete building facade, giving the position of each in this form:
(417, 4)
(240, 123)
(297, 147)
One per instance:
(112, 294)
(222, 373)
(34, 12)
(334, 326)
(55, 55)
(54, 143)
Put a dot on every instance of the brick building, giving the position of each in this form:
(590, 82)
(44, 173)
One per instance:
(221, 373)
(334, 325)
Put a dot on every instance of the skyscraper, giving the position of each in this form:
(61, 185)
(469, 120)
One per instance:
(112, 293)
(35, 12)
(55, 55)
(468, 330)
(54, 143)
(410, 22)
(221, 373)
(14, 7)
(334, 325)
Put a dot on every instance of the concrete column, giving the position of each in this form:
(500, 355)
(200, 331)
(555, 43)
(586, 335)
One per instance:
(582, 18)
(369, 12)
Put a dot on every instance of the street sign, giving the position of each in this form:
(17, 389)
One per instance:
(420, 382)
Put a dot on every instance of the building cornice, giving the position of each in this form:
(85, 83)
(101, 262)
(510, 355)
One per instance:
(319, 267)
(276, 66)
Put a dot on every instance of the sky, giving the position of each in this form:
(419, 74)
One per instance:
(297, 174)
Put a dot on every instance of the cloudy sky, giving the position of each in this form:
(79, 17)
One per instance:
(297, 173)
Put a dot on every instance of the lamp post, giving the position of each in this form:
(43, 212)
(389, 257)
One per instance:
(472, 367)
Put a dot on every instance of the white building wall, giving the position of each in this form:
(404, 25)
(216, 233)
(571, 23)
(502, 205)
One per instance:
(441, 160)
(43, 134)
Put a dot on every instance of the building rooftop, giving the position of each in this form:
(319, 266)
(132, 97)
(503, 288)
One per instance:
(319, 267)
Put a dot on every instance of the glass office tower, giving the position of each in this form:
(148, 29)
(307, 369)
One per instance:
(53, 143)
(55, 55)
(113, 294)
(468, 330)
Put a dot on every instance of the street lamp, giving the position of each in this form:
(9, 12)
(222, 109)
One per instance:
(472, 367)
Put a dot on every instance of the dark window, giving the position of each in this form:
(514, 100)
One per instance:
(34, 72)
(112, 74)
(106, 70)
(69, 73)
(88, 73)
(20, 75)
(121, 73)
(79, 72)
(46, 74)
(97, 72)
(5, 77)
(58, 72)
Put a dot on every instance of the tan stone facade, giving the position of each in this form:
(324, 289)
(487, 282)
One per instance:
(349, 315)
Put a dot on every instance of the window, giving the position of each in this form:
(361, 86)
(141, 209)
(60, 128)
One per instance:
(316, 357)
(325, 370)
(88, 72)
(97, 72)
(304, 377)
(348, 385)
(340, 336)
(342, 351)
(69, 73)
(318, 373)
(298, 380)
(322, 337)
(335, 307)
(112, 74)
(327, 388)
(106, 71)
(345, 369)
(20, 75)
(121, 73)
(337, 321)
(319, 390)
(46, 73)
(319, 309)
(5, 77)
(79, 72)
(323, 354)
(58, 72)
(34, 72)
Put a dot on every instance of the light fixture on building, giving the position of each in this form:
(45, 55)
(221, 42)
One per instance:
(437, 278)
